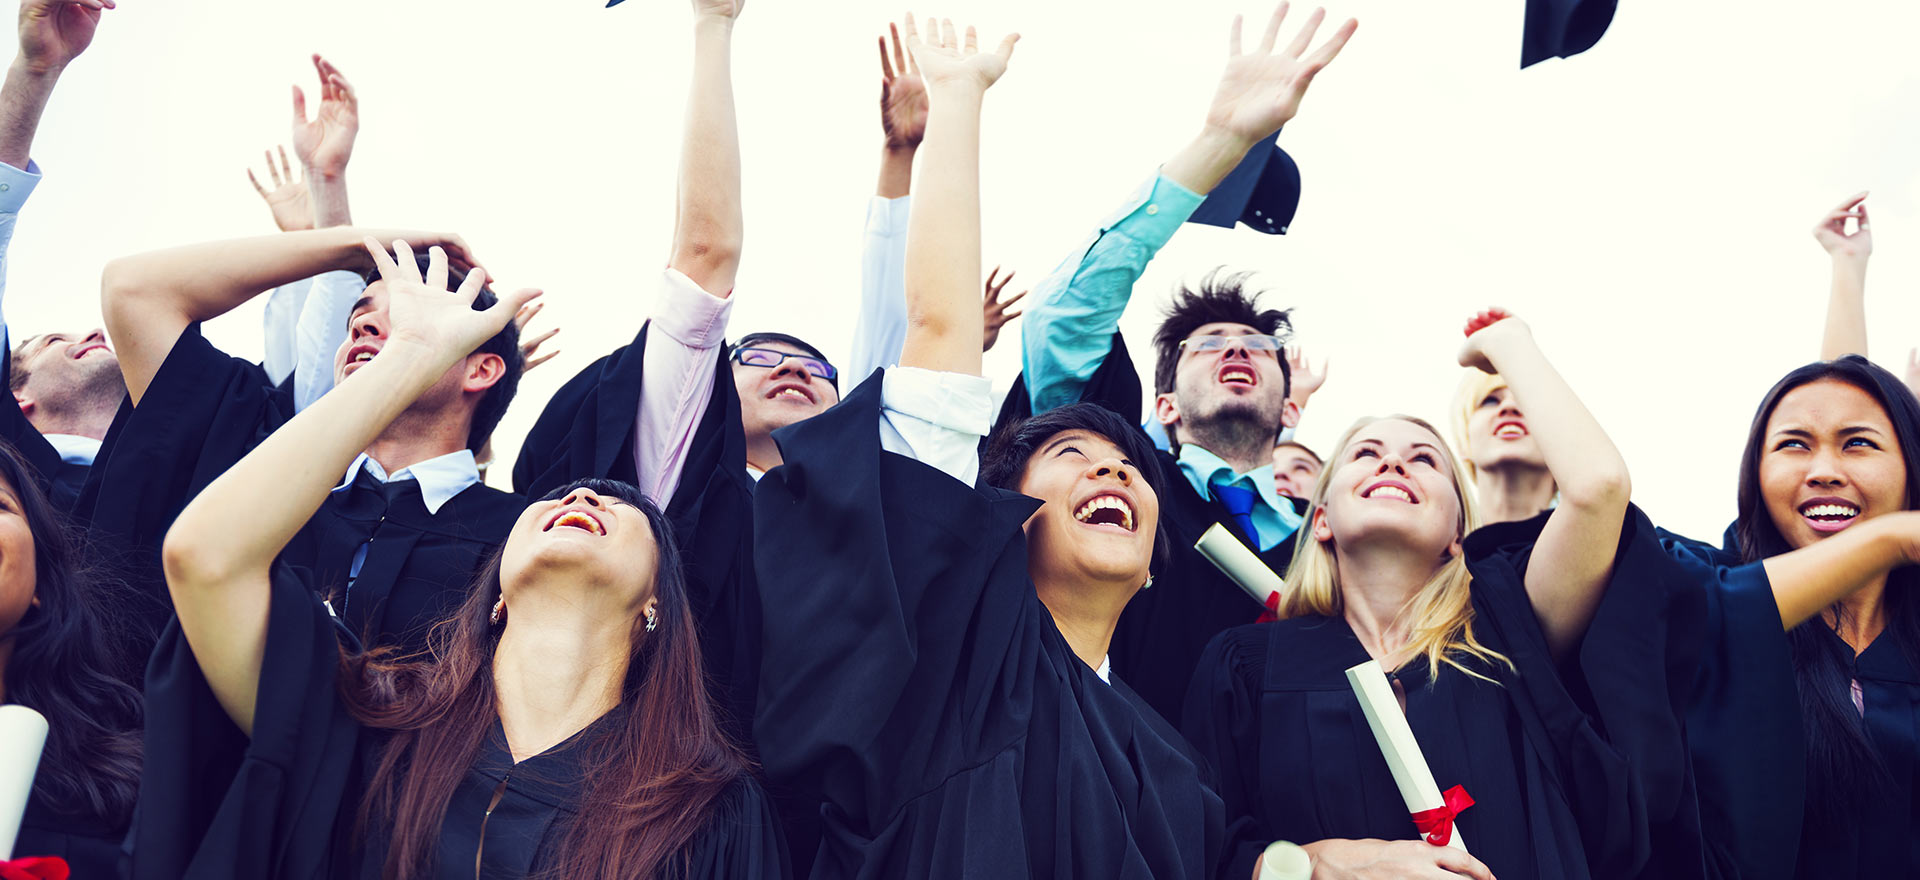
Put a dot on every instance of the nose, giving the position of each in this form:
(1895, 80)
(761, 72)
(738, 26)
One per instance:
(792, 367)
(1824, 470)
(1509, 408)
(1236, 347)
(95, 335)
(582, 495)
(367, 324)
(1391, 463)
(1111, 468)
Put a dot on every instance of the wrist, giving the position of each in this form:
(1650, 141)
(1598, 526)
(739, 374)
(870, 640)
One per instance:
(329, 174)
(36, 70)
(964, 88)
(713, 25)
(898, 150)
(1220, 141)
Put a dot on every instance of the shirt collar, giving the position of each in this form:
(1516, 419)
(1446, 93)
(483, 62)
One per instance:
(73, 448)
(1204, 469)
(1106, 669)
(440, 478)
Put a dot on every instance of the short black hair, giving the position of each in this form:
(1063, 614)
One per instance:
(1004, 461)
(506, 343)
(752, 339)
(1221, 298)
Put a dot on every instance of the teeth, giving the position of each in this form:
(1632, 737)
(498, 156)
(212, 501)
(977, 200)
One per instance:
(791, 392)
(363, 357)
(1394, 492)
(1236, 373)
(577, 520)
(1106, 502)
(1510, 431)
(1841, 510)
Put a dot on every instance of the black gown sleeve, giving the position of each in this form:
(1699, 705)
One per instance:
(741, 840)
(586, 428)
(1222, 721)
(215, 804)
(1613, 719)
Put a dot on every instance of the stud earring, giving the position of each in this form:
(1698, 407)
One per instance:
(1149, 584)
(499, 610)
(652, 621)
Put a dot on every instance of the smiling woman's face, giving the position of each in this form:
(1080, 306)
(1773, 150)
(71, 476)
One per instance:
(1830, 459)
(592, 541)
(1392, 483)
(1099, 516)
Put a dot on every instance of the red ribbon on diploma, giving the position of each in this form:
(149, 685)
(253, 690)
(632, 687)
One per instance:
(1273, 609)
(1436, 825)
(37, 868)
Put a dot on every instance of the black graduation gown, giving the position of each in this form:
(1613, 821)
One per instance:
(283, 804)
(90, 846)
(1883, 841)
(1743, 721)
(1576, 771)
(206, 410)
(913, 681)
(1158, 642)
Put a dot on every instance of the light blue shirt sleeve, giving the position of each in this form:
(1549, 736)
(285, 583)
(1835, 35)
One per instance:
(15, 187)
(880, 332)
(320, 332)
(1066, 335)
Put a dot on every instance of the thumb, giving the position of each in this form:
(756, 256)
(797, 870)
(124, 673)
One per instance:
(1006, 47)
(299, 106)
(509, 305)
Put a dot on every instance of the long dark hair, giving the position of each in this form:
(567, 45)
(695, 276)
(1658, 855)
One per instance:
(658, 769)
(63, 663)
(1845, 775)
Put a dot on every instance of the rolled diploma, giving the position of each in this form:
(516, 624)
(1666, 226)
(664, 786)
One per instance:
(1396, 741)
(23, 732)
(1235, 561)
(1285, 861)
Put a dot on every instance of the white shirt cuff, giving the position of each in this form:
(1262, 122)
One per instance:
(936, 418)
(688, 313)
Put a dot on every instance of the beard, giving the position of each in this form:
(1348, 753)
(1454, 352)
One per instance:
(1230, 425)
(90, 387)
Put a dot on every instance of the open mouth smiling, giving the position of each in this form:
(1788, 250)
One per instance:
(84, 350)
(1829, 514)
(1238, 374)
(791, 391)
(1391, 489)
(1106, 509)
(1510, 429)
(575, 518)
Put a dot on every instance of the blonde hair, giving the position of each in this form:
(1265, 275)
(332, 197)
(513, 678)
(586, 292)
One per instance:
(1474, 387)
(1440, 615)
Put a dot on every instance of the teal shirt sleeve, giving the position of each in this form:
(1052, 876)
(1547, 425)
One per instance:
(1065, 335)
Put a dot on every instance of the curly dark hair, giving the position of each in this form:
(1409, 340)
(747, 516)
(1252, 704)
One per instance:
(1221, 298)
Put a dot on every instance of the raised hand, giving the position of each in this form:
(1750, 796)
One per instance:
(1487, 330)
(994, 310)
(1302, 376)
(727, 9)
(459, 255)
(528, 347)
(54, 32)
(325, 142)
(903, 95)
(422, 312)
(1832, 232)
(944, 58)
(1260, 90)
(1913, 371)
(288, 200)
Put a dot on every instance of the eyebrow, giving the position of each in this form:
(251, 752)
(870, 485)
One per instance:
(1849, 431)
(1417, 445)
(1063, 438)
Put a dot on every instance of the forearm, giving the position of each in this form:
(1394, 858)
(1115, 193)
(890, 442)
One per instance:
(1809, 579)
(1206, 160)
(896, 171)
(708, 228)
(328, 189)
(1846, 330)
(23, 97)
(943, 239)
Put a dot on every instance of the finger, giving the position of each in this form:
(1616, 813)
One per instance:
(1852, 200)
(899, 53)
(299, 107)
(1004, 318)
(1009, 301)
(534, 362)
(886, 67)
(256, 184)
(1863, 215)
(343, 89)
(526, 316)
(437, 269)
(381, 259)
(471, 286)
(534, 343)
(284, 166)
(1233, 36)
(273, 171)
(1460, 863)
(1330, 49)
(949, 35)
(913, 32)
(991, 289)
(1006, 47)
(509, 304)
(404, 260)
(1305, 38)
(973, 41)
(1273, 29)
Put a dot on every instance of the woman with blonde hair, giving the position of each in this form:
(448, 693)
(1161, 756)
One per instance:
(1531, 660)
(1509, 475)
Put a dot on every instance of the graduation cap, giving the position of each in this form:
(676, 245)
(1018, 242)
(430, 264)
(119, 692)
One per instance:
(1262, 192)
(1563, 28)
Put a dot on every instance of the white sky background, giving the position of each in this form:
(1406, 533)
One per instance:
(1645, 206)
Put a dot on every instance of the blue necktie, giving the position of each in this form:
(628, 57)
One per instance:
(1239, 501)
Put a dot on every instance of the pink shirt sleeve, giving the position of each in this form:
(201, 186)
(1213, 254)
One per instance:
(677, 375)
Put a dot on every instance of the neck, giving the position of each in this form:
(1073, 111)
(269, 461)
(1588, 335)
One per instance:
(555, 673)
(88, 416)
(414, 438)
(1376, 584)
(1862, 615)
(762, 453)
(1237, 443)
(1085, 614)
(1513, 492)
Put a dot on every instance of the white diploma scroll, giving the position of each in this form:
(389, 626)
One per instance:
(23, 732)
(1238, 563)
(1285, 861)
(1390, 730)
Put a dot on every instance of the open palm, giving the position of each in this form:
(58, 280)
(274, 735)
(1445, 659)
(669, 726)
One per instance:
(944, 58)
(421, 311)
(325, 142)
(903, 95)
(1260, 90)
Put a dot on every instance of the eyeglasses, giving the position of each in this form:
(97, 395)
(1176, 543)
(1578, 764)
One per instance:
(772, 359)
(1251, 342)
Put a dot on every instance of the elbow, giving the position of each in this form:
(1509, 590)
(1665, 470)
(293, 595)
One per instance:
(191, 562)
(1607, 489)
(119, 285)
(707, 253)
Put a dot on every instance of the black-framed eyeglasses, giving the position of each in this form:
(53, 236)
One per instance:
(773, 358)
(1250, 342)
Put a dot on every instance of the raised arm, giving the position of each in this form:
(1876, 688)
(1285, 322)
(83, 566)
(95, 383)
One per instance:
(1573, 558)
(881, 327)
(1067, 334)
(1846, 330)
(1812, 578)
(150, 299)
(52, 34)
(218, 554)
(325, 143)
(1304, 380)
(708, 228)
(943, 241)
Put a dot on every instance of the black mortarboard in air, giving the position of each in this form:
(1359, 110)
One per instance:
(1262, 192)
(1563, 28)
